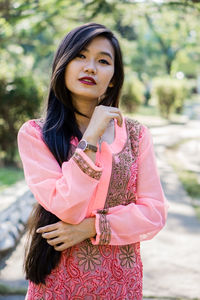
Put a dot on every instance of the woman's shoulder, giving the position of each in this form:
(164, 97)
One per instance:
(32, 127)
(36, 123)
(33, 123)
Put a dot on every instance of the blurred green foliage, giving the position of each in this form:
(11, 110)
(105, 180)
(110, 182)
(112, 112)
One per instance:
(170, 94)
(157, 39)
(20, 100)
(132, 94)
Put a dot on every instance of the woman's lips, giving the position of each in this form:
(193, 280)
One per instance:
(87, 80)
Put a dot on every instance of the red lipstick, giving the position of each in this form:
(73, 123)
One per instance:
(87, 80)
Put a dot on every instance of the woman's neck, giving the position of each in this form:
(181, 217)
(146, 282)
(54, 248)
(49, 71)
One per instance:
(82, 122)
(86, 108)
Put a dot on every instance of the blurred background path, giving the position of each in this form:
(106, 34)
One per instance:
(171, 260)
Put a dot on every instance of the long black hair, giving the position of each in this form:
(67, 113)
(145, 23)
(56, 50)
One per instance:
(59, 126)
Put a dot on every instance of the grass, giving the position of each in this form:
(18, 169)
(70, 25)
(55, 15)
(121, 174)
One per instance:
(149, 110)
(189, 180)
(197, 209)
(9, 176)
(150, 116)
(8, 290)
(147, 115)
(145, 111)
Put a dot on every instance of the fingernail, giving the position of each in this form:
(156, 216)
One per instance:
(38, 230)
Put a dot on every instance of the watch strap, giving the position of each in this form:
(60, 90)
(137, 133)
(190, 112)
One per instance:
(91, 147)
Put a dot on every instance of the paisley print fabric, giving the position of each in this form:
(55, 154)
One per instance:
(124, 169)
(89, 272)
(103, 271)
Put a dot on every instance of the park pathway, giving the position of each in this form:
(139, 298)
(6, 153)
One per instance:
(171, 260)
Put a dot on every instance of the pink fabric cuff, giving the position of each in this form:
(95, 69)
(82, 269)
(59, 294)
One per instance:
(86, 164)
(103, 230)
(96, 166)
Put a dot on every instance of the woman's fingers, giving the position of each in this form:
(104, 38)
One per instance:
(99, 122)
(114, 112)
(120, 119)
(62, 247)
(56, 241)
(48, 228)
(59, 244)
(67, 235)
(50, 235)
(116, 116)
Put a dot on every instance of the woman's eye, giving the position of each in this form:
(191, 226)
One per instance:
(80, 55)
(104, 61)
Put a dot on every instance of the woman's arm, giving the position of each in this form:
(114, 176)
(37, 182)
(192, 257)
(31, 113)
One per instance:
(65, 191)
(121, 225)
(61, 235)
(132, 223)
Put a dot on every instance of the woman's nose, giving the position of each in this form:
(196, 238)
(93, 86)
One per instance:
(90, 67)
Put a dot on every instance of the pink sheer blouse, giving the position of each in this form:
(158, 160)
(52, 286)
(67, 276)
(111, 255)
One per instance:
(80, 188)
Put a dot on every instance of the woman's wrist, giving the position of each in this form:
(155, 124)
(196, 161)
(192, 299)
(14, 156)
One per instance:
(90, 225)
(91, 139)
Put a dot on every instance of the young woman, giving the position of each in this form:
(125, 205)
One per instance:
(94, 175)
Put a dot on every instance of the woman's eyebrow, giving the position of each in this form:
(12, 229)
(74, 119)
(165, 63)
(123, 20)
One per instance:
(101, 52)
(106, 53)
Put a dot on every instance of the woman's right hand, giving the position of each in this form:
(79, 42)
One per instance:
(101, 116)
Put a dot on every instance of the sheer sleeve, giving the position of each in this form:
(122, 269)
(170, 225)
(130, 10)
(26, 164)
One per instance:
(65, 191)
(121, 225)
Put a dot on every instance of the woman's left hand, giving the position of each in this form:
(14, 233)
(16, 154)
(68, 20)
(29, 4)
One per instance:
(62, 235)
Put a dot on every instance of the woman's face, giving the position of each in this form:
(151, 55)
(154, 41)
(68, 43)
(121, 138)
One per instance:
(89, 74)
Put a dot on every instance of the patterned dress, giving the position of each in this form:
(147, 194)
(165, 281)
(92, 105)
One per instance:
(104, 268)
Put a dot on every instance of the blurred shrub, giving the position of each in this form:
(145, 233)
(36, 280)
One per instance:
(20, 100)
(171, 94)
(132, 94)
(192, 84)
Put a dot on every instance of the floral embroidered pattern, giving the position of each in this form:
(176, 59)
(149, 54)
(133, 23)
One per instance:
(132, 179)
(100, 272)
(88, 257)
(85, 167)
(104, 227)
(122, 187)
(94, 272)
(127, 256)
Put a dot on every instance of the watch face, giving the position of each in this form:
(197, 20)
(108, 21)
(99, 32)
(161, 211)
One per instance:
(82, 145)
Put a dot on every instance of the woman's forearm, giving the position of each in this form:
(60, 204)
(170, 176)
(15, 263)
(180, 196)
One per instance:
(62, 235)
